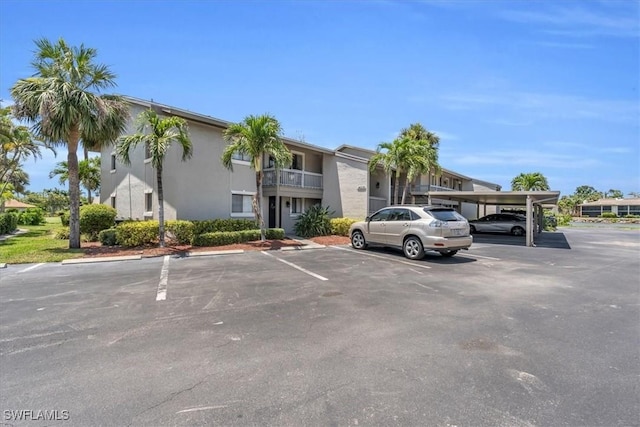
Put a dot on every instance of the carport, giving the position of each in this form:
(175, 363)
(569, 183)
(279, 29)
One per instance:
(532, 200)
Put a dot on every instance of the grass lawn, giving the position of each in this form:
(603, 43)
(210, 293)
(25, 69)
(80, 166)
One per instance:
(37, 245)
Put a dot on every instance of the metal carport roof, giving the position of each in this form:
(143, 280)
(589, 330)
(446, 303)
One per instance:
(511, 198)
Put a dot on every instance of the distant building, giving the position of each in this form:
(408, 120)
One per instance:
(17, 205)
(620, 207)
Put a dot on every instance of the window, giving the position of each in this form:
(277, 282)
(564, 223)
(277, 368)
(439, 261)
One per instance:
(242, 204)
(297, 162)
(113, 162)
(296, 205)
(381, 215)
(148, 202)
(634, 210)
(399, 215)
(113, 202)
(241, 157)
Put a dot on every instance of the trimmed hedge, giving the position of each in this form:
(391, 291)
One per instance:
(220, 225)
(64, 218)
(180, 231)
(31, 216)
(137, 233)
(608, 215)
(230, 237)
(8, 222)
(340, 226)
(95, 218)
(108, 237)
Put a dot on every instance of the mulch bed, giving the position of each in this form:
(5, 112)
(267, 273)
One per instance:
(95, 249)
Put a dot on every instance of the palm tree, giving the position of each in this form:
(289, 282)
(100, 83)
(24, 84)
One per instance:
(257, 137)
(157, 134)
(391, 159)
(534, 181)
(414, 152)
(423, 155)
(88, 172)
(62, 101)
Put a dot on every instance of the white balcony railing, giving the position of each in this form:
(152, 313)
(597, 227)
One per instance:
(293, 178)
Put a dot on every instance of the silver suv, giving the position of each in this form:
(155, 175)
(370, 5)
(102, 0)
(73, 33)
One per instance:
(414, 229)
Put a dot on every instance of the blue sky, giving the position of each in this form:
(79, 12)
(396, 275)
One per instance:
(509, 86)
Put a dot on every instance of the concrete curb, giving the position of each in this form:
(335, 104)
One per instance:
(213, 253)
(3, 265)
(101, 259)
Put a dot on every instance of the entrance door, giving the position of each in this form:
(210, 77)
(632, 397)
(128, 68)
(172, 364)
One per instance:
(272, 211)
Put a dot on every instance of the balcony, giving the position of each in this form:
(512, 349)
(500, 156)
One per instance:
(293, 178)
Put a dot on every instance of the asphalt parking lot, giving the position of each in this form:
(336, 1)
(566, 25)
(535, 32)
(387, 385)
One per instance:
(501, 335)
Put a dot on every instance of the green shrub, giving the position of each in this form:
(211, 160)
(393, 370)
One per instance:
(64, 218)
(137, 233)
(12, 210)
(31, 216)
(608, 215)
(563, 219)
(274, 233)
(220, 225)
(180, 231)
(95, 218)
(62, 234)
(221, 238)
(313, 222)
(340, 226)
(631, 216)
(8, 222)
(108, 237)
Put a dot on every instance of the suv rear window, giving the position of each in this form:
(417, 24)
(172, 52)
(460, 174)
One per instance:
(445, 214)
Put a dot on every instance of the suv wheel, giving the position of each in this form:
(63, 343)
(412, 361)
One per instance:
(413, 248)
(358, 241)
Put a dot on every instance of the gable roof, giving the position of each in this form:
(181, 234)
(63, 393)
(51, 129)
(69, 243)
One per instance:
(209, 120)
(16, 204)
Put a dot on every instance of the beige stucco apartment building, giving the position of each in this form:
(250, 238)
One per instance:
(202, 188)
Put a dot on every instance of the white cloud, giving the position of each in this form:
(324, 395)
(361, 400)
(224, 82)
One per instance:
(529, 158)
(579, 21)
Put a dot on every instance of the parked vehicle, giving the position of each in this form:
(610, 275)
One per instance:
(414, 229)
(500, 223)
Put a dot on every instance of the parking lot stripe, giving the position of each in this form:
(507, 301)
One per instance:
(482, 256)
(164, 279)
(413, 264)
(304, 270)
(31, 268)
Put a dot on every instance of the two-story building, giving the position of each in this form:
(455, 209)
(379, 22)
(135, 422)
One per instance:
(202, 188)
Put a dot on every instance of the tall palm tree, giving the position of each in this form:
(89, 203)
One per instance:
(423, 158)
(88, 172)
(157, 133)
(257, 137)
(390, 159)
(64, 103)
(534, 181)
(426, 146)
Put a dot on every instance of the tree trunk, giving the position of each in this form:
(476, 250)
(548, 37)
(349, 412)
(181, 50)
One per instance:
(404, 190)
(160, 205)
(396, 187)
(257, 205)
(86, 158)
(429, 186)
(74, 189)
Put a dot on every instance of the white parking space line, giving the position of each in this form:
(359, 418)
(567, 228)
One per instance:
(297, 267)
(413, 264)
(31, 268)
(164, 279)
(481, 256)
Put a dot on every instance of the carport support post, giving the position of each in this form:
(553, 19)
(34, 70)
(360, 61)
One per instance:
(529, 226)
(540, 218)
